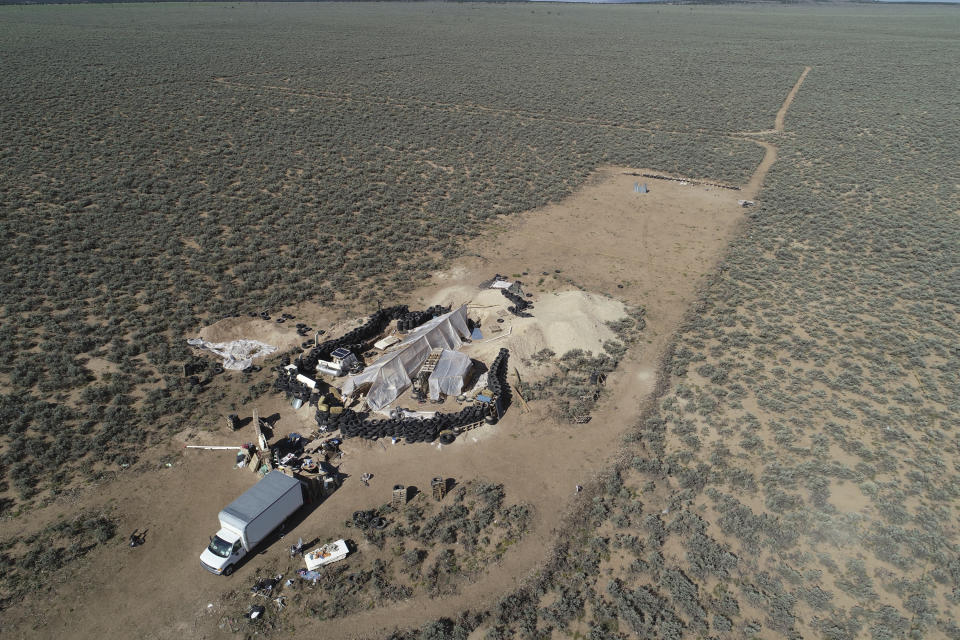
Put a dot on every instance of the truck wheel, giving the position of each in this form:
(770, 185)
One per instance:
(228, 570)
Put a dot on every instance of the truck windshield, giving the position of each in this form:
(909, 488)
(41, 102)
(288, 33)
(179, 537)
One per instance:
(220, 547)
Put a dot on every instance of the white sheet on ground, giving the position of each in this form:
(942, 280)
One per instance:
(237, 354)
(391, 374)
(448, 375)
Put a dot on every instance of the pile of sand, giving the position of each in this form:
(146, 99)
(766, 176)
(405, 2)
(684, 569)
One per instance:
(568, 320)
(559, 321)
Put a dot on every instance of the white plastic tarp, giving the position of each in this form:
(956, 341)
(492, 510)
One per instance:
(238, 354)
(448, 375)
(390, 375)
(443, 332)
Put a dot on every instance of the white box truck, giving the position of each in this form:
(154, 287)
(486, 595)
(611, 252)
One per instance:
(249, 519)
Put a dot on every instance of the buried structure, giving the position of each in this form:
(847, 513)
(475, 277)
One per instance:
(385, 379)
(422, 354)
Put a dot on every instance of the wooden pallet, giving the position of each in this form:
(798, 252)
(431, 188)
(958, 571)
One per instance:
(472, 425)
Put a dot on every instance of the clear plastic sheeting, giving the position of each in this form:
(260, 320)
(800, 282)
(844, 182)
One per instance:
(479, 384)
(390, 375)
(449, 374)
(238, 354)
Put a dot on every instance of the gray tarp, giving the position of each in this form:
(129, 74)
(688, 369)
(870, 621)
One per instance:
(448, 375)
(391, 374)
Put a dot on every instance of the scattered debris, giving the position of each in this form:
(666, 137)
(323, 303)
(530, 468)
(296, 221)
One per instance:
(306, 574)
(137, 539)
(238, 354)
(439, 487)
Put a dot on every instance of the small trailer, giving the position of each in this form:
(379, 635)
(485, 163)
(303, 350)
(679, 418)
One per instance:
(327, 554)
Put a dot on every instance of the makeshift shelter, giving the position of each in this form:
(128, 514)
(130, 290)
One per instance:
(390, 375)
(448, 376)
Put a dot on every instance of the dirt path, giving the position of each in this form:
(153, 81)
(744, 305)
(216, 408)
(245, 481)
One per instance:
(752, 188)
(782, 113)
(464, 107)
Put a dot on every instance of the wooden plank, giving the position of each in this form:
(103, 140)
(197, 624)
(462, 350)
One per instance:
(258, 439)
(212, 448)
(522, 401)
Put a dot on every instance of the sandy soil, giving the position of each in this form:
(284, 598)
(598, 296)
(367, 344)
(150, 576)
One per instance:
(283, 336)
(559, 321)
(601, 249)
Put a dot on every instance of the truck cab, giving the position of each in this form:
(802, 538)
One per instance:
(223, 553)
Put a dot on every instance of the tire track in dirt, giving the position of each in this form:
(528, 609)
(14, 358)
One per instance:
(752, 188)
(466, 107)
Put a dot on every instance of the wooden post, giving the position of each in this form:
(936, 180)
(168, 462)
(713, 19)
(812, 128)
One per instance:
(439, 487)
(522, 401)
(258, 439)
(399, 500)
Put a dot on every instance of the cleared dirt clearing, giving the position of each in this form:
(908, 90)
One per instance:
(656, 245)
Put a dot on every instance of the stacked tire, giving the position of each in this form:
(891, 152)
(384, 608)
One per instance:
(442, 425)
(413, 319)
(353, 339)
(497, 381)
(519, 303)
(287, 382)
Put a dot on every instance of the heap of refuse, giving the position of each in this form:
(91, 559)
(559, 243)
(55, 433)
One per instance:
(237, 354)
(354, 339)
(519, 305)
